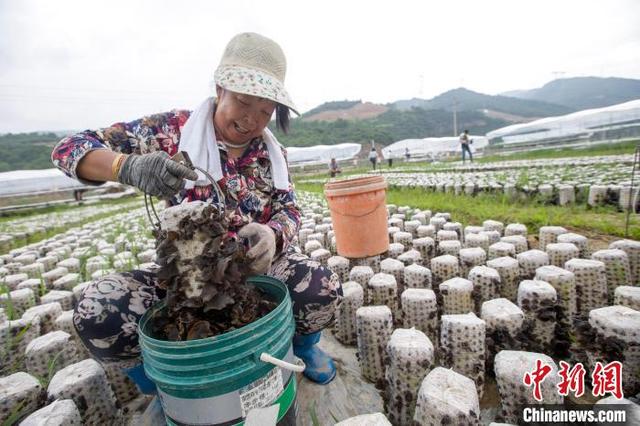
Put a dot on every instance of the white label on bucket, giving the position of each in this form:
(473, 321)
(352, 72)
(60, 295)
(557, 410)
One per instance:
(267, 416)
(262, 392)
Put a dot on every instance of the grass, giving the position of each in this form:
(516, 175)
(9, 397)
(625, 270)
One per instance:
(7, 217)
(473, 210)
(10, 345)
(15, 414)
(9, 309)
(551, 153)
(127, 205)
(346, 171)
(51, 370)
(313, 415)
(610, 148)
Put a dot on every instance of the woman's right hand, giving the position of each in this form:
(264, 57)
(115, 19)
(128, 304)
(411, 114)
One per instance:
(155, 174)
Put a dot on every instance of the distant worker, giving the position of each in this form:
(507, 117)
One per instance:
(390, 159)
(333, 168)
(407, 154)
(77, 194)
(465, 143)
(373, 157)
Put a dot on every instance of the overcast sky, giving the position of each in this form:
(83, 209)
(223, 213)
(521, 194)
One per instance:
(71, 64)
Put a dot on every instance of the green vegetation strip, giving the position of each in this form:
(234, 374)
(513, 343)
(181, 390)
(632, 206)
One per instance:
(474, 210)
(609, 148)
(364, 166)
(128, 204)
(25, 214)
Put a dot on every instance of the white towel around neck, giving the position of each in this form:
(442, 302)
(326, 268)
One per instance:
(198, 139)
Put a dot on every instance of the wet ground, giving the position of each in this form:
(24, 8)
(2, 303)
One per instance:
(346, 396)
(350, 395)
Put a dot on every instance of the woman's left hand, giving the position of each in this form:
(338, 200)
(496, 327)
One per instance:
(262, 246)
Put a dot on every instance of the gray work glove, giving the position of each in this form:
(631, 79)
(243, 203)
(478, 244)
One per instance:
(155, 173)
(262, 246)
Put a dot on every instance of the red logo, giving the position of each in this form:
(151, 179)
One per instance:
(604, 379)
(607, 379)
(536, 377)
(572, 379)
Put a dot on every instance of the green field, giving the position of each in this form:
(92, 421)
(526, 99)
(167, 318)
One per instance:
(10, 216)
(602, 221)
(609, 148)
(473, 210)
(126, 203)
(628, 147)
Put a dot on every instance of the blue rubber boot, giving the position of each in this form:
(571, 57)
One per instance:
(320, 367)
(145, 385)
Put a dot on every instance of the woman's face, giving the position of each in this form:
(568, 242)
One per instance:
(239, 117)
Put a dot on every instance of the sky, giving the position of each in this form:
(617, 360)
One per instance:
(71, 64)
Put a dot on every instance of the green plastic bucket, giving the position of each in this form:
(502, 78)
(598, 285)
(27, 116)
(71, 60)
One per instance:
(220, 379)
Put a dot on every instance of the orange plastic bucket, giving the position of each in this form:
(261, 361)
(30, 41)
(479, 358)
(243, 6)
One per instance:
(359, 215)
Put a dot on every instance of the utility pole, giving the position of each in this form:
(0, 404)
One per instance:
(455, 117)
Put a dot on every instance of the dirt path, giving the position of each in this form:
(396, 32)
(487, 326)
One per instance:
(597, 241)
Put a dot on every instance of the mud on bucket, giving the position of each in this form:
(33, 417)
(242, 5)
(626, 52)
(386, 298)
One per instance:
(219, 380)
(359, 215)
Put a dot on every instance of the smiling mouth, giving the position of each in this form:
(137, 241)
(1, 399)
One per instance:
(240, 129)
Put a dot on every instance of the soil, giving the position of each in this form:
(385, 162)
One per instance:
(597, 241)
(357, 112)
(508, 117)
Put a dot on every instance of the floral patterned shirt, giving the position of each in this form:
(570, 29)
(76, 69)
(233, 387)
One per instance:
(247, 181)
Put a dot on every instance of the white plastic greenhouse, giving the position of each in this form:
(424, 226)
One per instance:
(322, 154)
(21, 182)
(431, 147)
(591, 125)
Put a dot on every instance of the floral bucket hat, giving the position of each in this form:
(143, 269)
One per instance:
(254, 65)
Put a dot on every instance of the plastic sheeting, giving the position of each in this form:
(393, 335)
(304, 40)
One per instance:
(22, 182)
(582, 124)
(431, 147)
(322, 154)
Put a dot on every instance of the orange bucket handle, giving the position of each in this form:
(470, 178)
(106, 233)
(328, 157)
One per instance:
(342, 213)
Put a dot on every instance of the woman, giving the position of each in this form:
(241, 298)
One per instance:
(333, 168)
(228, 136)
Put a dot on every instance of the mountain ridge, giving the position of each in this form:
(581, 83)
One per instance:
(357, 121)
(557, 97)
(463, 99)
(583, 92)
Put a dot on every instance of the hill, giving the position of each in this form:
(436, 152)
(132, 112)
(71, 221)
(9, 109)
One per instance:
(390, 126)
(583, 92)
(357, 121)
(358, 111)
(331, 106)
(465, 100)
(24, 151)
